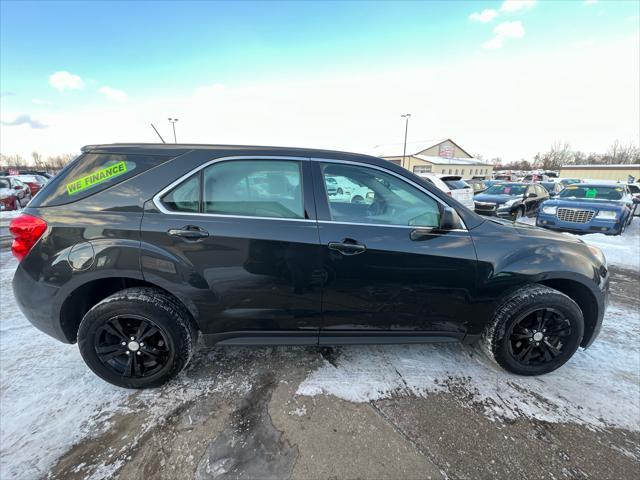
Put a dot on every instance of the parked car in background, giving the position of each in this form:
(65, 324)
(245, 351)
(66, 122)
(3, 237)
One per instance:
(135, 250)
(570, 181)
(589, 208)
(552, 187)
(478, 185)
(34, 182)
(14, 194)
(511, 200)
(348, 190)
(331, 185)
(505, 177)
(534, 177)
(491, 183)
(460, 189)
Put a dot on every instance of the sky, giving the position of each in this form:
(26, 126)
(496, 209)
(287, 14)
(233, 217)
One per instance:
(501, 78)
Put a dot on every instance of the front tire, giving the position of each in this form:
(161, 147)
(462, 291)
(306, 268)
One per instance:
(139, 337)
(534, 331)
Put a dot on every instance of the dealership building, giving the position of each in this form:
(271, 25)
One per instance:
(620, 172)
(443, 156)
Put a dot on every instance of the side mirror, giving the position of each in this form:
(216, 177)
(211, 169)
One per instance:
(553, 194)
(449, 219)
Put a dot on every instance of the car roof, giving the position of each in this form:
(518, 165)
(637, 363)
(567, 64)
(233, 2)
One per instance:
(177, 148)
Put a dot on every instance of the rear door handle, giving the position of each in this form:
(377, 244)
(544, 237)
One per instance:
(347, 248)
(189, 232)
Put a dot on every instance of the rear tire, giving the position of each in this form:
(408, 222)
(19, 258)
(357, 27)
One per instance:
(534, 331)
(357, 199)
(139, 337)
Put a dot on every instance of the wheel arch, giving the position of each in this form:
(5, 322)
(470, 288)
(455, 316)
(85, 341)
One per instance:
(586, 300)
(85, 296)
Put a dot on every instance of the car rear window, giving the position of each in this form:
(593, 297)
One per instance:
(93, 172)
(457, 184)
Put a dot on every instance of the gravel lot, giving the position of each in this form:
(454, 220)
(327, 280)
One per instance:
(422, 411)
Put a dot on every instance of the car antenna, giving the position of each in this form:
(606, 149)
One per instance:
(158, 133)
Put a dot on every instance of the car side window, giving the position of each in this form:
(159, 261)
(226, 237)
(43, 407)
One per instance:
(256, 188)
(372, 196)
(185, 197)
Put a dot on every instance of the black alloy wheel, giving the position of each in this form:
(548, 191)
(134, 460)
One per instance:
(132, 346)
(539, 337)
(139, 337)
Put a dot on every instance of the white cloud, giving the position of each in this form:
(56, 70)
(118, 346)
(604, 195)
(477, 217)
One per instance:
(39, 101)
(503, 31)
(64, 80)
(484, 16)
(114, 94)
(512, 105)
(509, 6)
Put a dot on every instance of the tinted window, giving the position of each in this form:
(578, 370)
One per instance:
(257, 188)
(4, 183)
(379, 198)
(93, 172)
(185, 197)
(634, 189)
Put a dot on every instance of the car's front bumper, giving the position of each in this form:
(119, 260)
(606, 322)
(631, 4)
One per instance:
(608, 227)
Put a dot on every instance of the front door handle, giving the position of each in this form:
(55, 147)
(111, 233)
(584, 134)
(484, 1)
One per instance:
(347, 247)
(189, 232)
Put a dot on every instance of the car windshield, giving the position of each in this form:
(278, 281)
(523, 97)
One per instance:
(456, 184)
(592, 192)
(506, 189)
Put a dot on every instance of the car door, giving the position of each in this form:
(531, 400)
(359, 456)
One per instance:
(244, 242)
(377, 277)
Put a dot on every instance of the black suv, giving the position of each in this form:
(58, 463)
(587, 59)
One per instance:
(134, 250)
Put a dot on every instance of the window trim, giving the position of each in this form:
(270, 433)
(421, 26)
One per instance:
(157, 198)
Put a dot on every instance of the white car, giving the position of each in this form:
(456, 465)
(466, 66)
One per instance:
(452, 185)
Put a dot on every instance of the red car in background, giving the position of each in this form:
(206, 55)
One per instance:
(34, 182)
(13, 194)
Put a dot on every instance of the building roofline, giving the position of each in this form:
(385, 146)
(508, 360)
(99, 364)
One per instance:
(617, 166)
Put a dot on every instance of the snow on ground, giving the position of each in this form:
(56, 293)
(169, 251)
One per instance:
(599, 386)
(50, 400)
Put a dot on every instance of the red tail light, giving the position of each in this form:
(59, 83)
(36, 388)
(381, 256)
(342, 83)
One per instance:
(26, 230)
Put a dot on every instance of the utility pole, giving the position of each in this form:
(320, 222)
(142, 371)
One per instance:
(173, 123)
(406, 116)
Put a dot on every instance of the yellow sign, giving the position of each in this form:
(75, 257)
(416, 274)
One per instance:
(96, 177)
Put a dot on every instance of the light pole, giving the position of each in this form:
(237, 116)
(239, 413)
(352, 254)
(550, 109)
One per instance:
(406, 116)
(173, 123)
